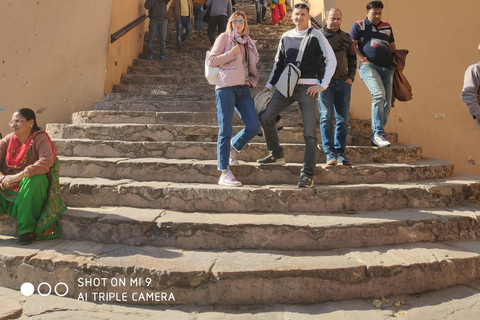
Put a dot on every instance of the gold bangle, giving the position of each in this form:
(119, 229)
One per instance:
(24, 174)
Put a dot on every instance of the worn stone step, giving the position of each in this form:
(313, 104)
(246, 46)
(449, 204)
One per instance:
(188, 132)
(140, 65)
(236, 277)
(177, 102)
(289, 119)
(205, 171)
(150, 102)
(289, 231)
(266, 54)
(195, 43)
(202, 41)
(189, 197)
(202, 88)
(151, 68)
(207, 151)
(193, 78)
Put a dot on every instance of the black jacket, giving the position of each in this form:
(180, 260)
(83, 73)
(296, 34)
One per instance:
(157, 9)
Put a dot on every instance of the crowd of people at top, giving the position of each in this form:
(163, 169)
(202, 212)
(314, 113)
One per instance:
(190, 16)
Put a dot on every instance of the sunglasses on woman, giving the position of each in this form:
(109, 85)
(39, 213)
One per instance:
(238, 21)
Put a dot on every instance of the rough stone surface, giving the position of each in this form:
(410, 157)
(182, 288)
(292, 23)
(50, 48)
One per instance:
(239, 277)
(458, 190)
(205, 171)
(207, 151)
(139, 175)
(453, 303)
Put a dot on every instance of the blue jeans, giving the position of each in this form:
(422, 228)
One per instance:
(334, 101)
(198, 14)
(379, 82)
(159, 26)
(307, 104)
(227, 100)
(261, 7)
(184, 22)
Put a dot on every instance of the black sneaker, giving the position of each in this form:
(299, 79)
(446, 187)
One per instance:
(26, 238)
(343, 161)
(305, 182)
(270, 160)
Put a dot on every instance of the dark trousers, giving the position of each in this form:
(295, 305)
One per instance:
(221, 22)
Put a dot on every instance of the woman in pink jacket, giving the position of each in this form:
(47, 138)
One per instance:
(237, 56)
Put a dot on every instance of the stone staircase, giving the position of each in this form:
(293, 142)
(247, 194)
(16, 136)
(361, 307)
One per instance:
(139, 174)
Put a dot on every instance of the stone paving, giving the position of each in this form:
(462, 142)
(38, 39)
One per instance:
(139, 176)
(454, 303)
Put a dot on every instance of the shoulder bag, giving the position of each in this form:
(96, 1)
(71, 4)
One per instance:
(211, 73)
(290, 75)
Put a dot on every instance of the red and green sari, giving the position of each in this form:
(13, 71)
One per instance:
(51, 204)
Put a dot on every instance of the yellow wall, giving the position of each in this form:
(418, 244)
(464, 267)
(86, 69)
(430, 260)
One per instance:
(122, 52)
(442, 39)
(52, 57)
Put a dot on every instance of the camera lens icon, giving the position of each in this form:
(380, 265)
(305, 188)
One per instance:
(44, 289)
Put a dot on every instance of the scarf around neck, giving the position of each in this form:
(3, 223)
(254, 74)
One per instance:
(245, 39)
(17, 154)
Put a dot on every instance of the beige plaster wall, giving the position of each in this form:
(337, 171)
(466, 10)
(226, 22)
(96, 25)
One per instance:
(52, 57)
(442, 39)
(122, 52)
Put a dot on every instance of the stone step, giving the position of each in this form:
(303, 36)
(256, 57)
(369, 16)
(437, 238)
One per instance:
(202, 88)
(236, 277)
(165, 102)
(189, 197)
(142, 64)
(174, 78)
(202, 41)
(266, 54)
(270, 231)
(207, 151)
(289, 119)
(197, 41)
(152, 68)
(188, 132)
(460, 301)
(205, 171)
(141, 102)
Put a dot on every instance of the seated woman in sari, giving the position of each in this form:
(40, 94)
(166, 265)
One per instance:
(29, 189)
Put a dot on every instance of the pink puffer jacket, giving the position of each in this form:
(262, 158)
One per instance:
(232, 72)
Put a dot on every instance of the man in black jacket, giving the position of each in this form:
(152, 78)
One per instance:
(157, 11)
(335, 100)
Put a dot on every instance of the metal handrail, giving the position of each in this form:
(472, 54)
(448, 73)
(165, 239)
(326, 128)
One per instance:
(118, 34)
(315, 23)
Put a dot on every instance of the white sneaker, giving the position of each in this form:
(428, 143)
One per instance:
(228, 179)
(380, 141)
(233, 156)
